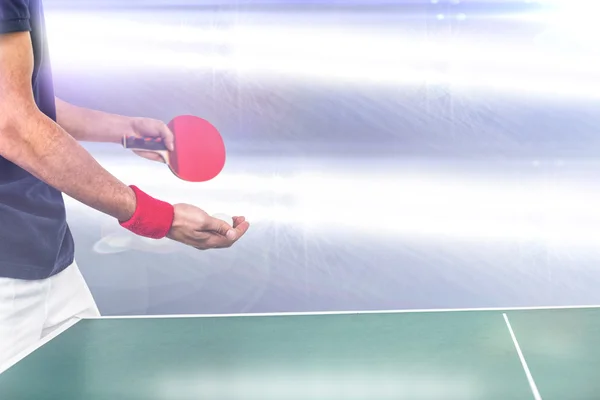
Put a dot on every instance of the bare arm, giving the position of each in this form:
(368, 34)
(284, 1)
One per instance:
(87, 125)
(37, 144)
(91, 125)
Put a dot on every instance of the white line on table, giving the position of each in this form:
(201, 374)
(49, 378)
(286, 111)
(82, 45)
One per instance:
(534, 389)
(317, 313)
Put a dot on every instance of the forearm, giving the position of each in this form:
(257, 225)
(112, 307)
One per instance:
(40, 146)
(90, 125)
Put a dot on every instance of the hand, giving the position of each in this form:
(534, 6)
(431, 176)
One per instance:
(194, 227)
(147, 127)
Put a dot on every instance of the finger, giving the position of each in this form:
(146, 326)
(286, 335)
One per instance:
(241, 229)
(237, 221)
(238, 231)
(220, 227)
(167, 136)
(150, 155)
(219, 241)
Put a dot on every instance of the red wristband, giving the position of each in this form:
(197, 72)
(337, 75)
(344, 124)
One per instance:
(152, 218)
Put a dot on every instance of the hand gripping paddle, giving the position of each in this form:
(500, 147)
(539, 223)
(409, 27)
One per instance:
(199, 153)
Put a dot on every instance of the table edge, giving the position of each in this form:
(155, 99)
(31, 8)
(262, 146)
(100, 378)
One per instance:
(29, 350)
(363, 312)
(22, 355)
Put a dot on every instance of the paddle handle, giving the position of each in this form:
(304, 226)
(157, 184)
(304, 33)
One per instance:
(138, 143)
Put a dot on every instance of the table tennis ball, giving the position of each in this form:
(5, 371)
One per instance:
(223, 217)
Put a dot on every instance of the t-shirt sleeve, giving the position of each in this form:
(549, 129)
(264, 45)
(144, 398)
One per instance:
(14, 16)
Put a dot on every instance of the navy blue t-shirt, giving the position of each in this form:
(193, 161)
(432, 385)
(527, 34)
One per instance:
(35, 240)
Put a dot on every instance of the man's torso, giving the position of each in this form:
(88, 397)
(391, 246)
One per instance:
(35, 240)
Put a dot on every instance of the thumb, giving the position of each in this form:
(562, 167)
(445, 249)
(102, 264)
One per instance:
(221, 227)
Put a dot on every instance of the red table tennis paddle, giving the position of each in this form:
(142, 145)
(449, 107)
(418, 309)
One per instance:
(199, 153)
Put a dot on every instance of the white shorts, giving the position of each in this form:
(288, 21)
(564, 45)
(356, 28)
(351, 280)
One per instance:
(30, 310)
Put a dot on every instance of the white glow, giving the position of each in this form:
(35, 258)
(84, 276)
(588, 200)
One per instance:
(574, 22)
(317, 384)
(396, 204)
(339, 53)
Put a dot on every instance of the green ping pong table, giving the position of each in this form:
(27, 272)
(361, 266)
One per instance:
(510, 354)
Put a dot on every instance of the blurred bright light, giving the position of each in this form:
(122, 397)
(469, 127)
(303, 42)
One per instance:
(277, 383)
(576, 20)
(104, 41)
(395, 204)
